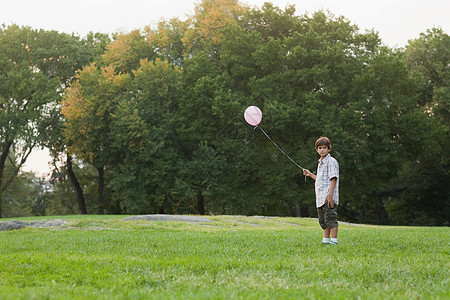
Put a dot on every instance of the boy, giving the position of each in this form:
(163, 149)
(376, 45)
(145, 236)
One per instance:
(327, 190)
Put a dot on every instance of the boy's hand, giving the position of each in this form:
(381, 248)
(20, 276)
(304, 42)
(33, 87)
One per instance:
(309, 174)
(330, 201)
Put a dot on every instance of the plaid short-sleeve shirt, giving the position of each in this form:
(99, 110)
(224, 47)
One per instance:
(327, 169)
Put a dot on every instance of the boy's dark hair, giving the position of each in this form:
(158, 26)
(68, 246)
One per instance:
(323, 141)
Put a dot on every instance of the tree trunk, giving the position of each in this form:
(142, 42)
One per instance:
(3, 158)
(200, 203)
(76, 185)
(298, 213)
(101, 187)
(383, 217)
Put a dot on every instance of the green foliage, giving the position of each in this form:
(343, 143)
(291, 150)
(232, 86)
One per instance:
(125, 53)
(312, 75)
(87, 107)
(233, 257)
(160, 113)
(35, 65)
(424, 178)
(142, 127)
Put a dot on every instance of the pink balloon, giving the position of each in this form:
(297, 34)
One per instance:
(253, 115)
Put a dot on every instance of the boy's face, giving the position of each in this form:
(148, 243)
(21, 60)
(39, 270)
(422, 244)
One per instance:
(323, 151)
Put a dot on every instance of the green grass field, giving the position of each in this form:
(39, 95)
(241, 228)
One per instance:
(235, 257)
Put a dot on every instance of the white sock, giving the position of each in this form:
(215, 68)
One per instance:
(326, 240)
(334, 240)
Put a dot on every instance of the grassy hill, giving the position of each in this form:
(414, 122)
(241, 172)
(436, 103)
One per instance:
(226, 257)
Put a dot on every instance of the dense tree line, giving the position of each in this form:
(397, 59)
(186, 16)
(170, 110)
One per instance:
(152, 120)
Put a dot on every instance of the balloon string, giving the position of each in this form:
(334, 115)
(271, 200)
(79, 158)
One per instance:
(279, 148)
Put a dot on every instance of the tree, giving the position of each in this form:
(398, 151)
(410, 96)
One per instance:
(167, 40)
(161, 113)
(87, 107)
(126, 51)
(143, 131)
(61, 198)
(34, 66)
(423, 184)
(208, 22)
(428, 57)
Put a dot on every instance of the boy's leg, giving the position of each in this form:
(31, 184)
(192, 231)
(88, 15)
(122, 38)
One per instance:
(334, 232)
(326, 230)
(331, 222)
(326, 236)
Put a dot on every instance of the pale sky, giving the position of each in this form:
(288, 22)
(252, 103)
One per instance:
(397, 21)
